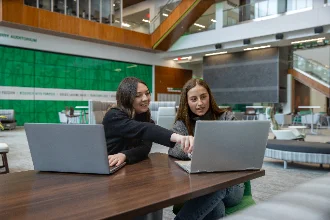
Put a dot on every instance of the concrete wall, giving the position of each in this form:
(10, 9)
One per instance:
(246, 77)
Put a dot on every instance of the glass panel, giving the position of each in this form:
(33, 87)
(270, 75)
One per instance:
(95, 10)
(312, 67)
(138, 21)
(205, 22)
(163, 13)
(261, 9)
(59, 6)
(106, 11)
(31, 3)
(71, 7)
(83, 9)
(117, 14)
(45, 4)
(298, 4)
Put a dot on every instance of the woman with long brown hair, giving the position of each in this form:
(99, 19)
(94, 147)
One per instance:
(198, 103)
(128, 127)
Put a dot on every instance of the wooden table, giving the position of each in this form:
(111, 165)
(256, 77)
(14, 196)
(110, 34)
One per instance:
(134, 190)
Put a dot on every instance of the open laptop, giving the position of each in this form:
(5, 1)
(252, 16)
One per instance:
(73, 148)
(227, 146)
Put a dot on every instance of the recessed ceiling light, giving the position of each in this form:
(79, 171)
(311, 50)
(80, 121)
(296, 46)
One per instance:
(256, 48)
(145, 20)
(126, 25)
(114, 4)
(213, 20)
(164, 14)
(309, 40)
(182, 58)
(218, 53)
(199, 25)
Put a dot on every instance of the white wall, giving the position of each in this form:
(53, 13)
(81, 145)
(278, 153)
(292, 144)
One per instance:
(318, 99)
(197, 70)
(319, 54)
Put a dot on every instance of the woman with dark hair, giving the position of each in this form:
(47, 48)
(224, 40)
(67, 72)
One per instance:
(129, 129)
(198, 103)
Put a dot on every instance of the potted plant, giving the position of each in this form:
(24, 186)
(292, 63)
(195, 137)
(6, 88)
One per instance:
(1, 126)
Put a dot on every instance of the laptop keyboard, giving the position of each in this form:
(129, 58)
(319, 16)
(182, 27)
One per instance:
(115, 168)
(184, 164)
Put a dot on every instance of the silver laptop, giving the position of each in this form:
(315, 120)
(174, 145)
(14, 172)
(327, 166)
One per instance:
(73, 148)
(227, 146)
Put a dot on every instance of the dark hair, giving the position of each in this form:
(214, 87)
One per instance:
(185, 114)
(126, 94)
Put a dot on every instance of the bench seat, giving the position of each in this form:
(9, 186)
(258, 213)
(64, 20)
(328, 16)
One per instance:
(298, 151)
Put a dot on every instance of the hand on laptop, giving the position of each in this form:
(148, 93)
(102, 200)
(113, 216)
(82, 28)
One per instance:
(187, 142)
(116, 159)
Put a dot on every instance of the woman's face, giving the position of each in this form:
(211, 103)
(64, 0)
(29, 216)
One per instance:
(198, 100)
(142, 99)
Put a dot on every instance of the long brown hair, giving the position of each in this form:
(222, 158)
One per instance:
(126, 94)
(185, 114)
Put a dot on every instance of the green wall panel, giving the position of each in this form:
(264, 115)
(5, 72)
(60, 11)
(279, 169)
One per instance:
(37, 69)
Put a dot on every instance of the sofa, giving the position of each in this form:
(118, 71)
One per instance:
(154, 106)
(9, 123)
(298, 151)
(97, 109)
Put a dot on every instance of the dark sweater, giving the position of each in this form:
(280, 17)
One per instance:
(132, 137)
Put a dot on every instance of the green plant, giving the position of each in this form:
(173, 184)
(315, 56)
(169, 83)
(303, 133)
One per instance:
(1, 126)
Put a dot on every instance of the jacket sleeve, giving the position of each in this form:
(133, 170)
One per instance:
(138, 153)
(177, 151)
(122, 125)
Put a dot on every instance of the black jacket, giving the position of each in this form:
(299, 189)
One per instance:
(132, 137)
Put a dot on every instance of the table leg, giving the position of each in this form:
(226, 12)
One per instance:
(312, 122)
(80, 117)
(85, 117)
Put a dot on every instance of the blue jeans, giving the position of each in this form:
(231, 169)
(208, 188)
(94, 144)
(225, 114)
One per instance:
(211, 206)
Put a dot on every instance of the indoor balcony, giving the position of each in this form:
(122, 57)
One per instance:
(115, 22)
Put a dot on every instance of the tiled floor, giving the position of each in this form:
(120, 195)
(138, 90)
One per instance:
(277, 179)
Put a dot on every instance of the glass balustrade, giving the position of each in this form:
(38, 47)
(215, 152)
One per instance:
(32, 3)
(111, 12)
(71, 7)
(164, 12)
(313, 68)
(260, 10)
(45, 4)
(59, 6)
(205, 23)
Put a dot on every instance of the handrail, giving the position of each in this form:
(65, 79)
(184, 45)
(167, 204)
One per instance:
(313, 68)
(161, 9)
(313, 61)
(153, 22)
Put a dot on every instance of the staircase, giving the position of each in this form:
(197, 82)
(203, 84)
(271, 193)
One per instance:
(312, 74)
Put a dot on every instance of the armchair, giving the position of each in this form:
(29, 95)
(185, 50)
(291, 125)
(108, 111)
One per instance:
(281, 134)
(166, 117)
